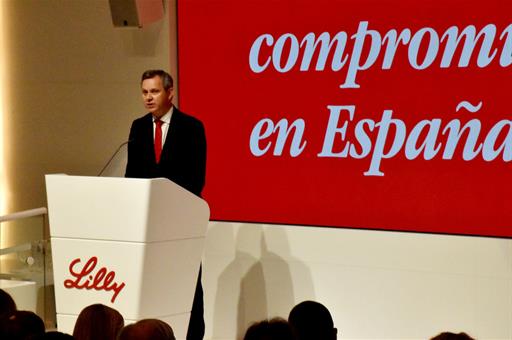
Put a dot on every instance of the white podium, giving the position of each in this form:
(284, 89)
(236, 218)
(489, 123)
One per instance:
(132, 244)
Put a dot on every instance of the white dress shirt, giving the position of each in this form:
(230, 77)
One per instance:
(166, 119)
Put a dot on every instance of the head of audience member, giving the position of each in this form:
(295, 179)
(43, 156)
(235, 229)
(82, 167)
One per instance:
(54, 335)
(311, 320)
(98, 322)
(147, 329)
(452, 336)
(274, 329)
(7, 304)
(22, 325)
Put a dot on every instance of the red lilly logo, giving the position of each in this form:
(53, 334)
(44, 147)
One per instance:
(86, 279)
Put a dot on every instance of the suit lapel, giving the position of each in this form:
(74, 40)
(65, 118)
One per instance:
(172, 134)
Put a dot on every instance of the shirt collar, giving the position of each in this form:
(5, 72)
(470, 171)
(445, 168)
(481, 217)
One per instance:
(166, 118)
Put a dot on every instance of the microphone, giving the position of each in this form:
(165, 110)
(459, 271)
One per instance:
(113, 156)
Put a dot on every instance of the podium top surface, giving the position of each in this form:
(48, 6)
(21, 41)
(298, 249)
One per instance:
(123, 209)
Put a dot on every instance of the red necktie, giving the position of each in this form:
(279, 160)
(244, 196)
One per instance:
(158, 139)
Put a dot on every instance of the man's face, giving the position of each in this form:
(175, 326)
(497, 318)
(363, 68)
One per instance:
(156, 99)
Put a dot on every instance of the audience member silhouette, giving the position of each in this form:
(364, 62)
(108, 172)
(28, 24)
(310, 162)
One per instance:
(147, 329)
(274, 329)
(7, 304)
(54, 335)
(311, 320)
(98, 322)
(22, 325)
(452, 336)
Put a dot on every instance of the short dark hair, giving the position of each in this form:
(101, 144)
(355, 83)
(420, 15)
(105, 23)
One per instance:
(166, 77)
(312, 320)
(7, 304)
(147, 329)
(54, 335)
(274, 329)
(452, 336)
(22, 325)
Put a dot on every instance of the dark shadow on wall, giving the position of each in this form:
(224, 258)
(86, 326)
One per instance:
(227, 298)
(264, 285)
(301, 282)
(252, 301)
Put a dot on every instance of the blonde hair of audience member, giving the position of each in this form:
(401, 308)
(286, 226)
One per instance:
(153, 329)
(98, 322)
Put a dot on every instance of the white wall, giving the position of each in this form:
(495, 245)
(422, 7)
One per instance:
(72, 88)
(377, 285)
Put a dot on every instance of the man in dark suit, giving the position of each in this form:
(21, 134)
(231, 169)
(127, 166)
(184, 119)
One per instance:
(169, 143)
(183, 142)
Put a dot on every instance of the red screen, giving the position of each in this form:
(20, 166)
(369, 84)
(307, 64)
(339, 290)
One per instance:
(364, 114)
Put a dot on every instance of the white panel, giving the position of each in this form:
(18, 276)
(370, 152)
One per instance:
(175, 213)
(178, 323)
(377, 284)
(159, 278)
(82, 207)
(66, 323)
(123, 209)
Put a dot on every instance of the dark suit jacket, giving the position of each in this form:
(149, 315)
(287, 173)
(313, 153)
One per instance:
(183, 158)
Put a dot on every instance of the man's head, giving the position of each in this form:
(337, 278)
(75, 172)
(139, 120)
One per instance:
(147, 329)
(312, 320)
(157, 92)
(452, 336)
(274, 329)
(7, 305)
(22, 325)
